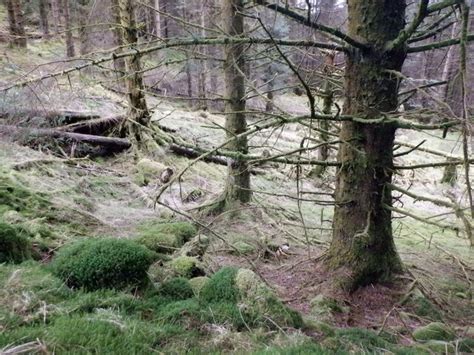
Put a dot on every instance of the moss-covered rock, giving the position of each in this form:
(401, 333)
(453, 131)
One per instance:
(439, 347)
(103, 263)
(148, 171)
(165, 237)
(258, 299)
(197, 283)
(14, 245)
(196, 247)
(186, 266)
(434, 331)
(243, 248)
(318, 326)
(323, 307)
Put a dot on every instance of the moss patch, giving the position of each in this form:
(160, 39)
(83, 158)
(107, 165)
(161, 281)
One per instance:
(102, 263)
(186, 266)
(434, 331)
(14, 246)
(165, 237)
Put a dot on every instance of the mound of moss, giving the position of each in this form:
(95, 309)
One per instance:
(165, 237)
(434, 331)
(14, 245)
(186, 266)
(15, 196)
(198, 283)
(176, 289)
(103, 263)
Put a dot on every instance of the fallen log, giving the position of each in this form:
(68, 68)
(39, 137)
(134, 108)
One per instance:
(93, 126)
(193, 153)
(63, 116)
(112, 144)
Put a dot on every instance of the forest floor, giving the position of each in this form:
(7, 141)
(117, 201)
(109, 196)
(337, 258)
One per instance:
(95, 197)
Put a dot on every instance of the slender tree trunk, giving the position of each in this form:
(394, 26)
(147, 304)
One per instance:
(362, 249)
(16, 23)
(56, 15)
(70, 50)
(43, 11)
(203, 63)
(83, 14)
(238, 184)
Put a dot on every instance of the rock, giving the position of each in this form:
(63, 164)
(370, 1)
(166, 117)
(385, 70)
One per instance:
(434, 331)
(197, 283)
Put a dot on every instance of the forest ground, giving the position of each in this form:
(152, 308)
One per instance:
(102, 197)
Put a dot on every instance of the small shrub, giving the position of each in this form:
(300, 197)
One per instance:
(176, 289)
(14, 246)
(103, 263)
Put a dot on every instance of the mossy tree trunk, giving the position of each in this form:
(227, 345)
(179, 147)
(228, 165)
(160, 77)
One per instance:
(238, 181)
(362, 248)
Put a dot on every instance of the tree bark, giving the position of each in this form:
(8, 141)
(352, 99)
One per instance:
(83, 14)
(238, 184)
(43, 11)
(16, 23)
(70, 50)
(362, 248)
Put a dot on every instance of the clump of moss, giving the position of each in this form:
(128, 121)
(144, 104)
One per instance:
(14, 246)
(434, 331)
(176, 289)
(15, 196)
(103, 263)
(243, 248)
(356, 340)
(186, 266)
(198, 283)
(221, 287)
(148, 171)
(260, 302)
(165, 237)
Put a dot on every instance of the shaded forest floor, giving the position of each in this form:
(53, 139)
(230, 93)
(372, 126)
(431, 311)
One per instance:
(115, 196)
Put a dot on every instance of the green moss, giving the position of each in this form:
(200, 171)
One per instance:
(243, 248)
(176, 289)
(102, 263)
(303, 349)
(361, 340)
(14, 246)
(165, 237)
(221, 287)
(198, 283)
(186, 266)
(434, 331)
(261, 303)
(439, 347)
(18, 197)
(318, 326)
(323, 306)
(466, 345)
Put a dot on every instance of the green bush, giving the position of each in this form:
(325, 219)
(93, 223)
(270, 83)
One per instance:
(14, 246)
(103, 263)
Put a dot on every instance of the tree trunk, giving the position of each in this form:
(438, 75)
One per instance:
(16, 23)
(238, 184)
(56, 16)
(43, 11)
(362, 248)
(70, 51)
(83, 14)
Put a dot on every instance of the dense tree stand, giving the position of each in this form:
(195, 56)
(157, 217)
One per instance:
(362, 249)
